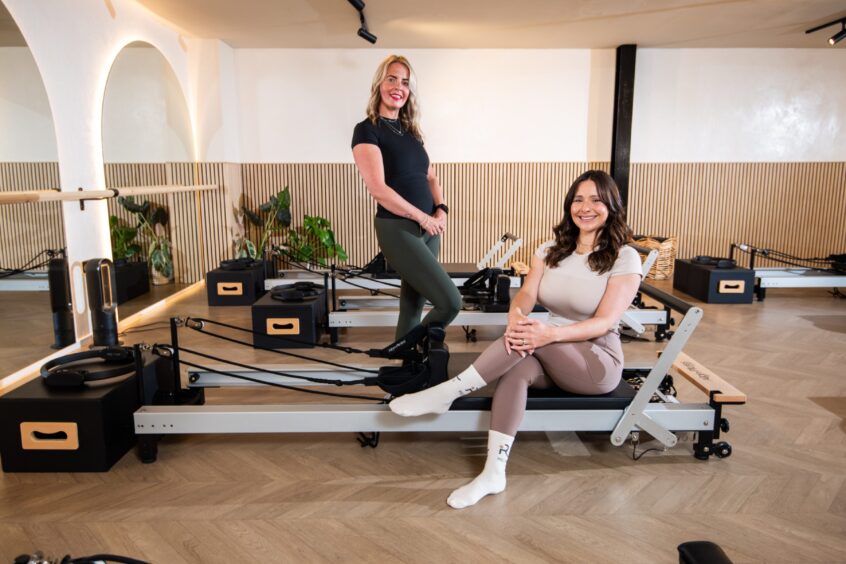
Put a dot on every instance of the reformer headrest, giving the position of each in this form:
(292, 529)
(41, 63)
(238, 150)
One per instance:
(239, 264)
(296, 292)
(61, 372)
(715, 261)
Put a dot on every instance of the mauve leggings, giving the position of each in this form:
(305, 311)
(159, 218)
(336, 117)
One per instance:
(585, 367)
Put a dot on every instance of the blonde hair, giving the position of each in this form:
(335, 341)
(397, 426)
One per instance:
(409, 114)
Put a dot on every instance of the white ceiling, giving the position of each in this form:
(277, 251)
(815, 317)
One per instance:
(410, 24)
(529, 24)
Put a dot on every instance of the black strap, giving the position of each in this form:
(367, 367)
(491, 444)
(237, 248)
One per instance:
(277, 385)
(203, 320)
(277, 372)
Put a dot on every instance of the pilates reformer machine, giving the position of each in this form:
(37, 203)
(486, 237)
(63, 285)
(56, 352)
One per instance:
(379, 308)
(643, 402)
(797, 272)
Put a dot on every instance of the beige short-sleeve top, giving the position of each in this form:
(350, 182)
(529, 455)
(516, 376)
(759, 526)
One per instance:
(571, 291)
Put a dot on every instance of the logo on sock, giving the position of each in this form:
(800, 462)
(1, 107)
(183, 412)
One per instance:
(503, 449)
(465, 390)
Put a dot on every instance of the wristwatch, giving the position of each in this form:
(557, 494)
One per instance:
(442, 207)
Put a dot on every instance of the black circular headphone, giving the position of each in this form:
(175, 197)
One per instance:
(239, 264)
(715, 261)
(119, 361)
(296, 292)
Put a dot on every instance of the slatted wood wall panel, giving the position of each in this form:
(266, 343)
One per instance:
(796, 208)
(119, 175)
(29, 229)
(199, 230)
(197, 225)
(486, 200)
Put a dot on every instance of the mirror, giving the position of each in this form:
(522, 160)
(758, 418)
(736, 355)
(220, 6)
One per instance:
(148, 141)
(28, 161)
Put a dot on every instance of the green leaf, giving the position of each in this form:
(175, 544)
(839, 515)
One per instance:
(284, 198)
(283, 216)
(253, 217)
(266, 207)
(159, 217)
(251, 248)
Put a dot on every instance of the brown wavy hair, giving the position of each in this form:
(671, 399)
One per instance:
(409, 114)
(612, 236)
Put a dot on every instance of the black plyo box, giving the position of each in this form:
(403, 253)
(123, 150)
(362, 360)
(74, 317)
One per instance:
(283, 325)
(714, 285)
(67, 430)
(235, 287)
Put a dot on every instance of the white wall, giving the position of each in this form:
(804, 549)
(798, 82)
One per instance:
(477, 105)
(145, 114)
(26, 124)
(74, 44)
(739, 105)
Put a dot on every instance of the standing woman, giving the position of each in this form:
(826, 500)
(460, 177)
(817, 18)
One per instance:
(411, 213)
(586, 277)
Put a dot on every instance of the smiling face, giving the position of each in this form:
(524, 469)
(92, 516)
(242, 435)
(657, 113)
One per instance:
(394, 90)
(588, 211)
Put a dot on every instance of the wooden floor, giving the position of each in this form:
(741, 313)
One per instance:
(781, 496)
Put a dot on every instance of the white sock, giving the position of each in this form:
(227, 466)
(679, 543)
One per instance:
(492, 478)
(438, 398)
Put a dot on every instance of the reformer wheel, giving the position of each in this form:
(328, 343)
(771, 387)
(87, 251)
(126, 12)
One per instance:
(724, 425)
(722, 450)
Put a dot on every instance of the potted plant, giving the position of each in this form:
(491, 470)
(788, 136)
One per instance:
(313, 243)
(152, 220)
(132, 278)
(273, 216)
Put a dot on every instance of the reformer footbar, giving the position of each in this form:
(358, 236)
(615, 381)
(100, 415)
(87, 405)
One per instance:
(624, 412)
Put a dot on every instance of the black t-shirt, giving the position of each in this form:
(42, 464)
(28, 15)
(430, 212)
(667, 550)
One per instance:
(406, 164)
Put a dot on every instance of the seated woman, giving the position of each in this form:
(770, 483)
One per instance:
(586, 277)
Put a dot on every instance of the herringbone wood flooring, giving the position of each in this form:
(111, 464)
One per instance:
(781, 496)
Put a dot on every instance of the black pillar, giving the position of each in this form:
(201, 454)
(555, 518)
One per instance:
(621, 139)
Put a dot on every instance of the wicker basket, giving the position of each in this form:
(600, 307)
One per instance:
(666, 247)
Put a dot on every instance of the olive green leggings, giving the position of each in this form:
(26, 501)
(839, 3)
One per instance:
(414, 255)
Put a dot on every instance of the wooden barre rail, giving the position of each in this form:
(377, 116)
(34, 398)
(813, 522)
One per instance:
(68, 196)
(707, 381)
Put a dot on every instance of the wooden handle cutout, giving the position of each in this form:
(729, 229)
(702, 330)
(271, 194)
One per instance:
(731, 287)
(49, 435)
(283, 326)
(230, 289)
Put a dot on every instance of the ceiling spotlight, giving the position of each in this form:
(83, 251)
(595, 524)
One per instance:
(834, 39)
(363, 32)
(838, 36)
(366, 35)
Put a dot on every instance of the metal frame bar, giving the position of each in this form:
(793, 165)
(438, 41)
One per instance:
(660, 420)
(343, 418)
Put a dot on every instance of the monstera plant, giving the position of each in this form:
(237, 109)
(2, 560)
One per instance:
(152, 220)
(313, 243)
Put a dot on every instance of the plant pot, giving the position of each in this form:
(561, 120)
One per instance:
(132, 279)
(160, 279)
